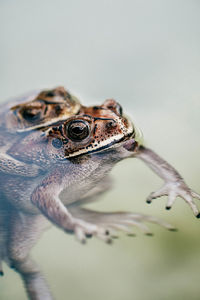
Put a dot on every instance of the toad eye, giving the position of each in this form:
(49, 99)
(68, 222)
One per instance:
(31, 115)
(78, 130)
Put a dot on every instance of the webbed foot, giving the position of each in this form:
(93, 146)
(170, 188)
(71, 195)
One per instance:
(120, 221)
(174, 185)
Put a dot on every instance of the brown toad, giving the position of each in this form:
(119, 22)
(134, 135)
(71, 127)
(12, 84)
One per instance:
(30, 112)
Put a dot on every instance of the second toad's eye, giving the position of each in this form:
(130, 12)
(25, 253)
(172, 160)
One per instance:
(50, 94)
(78, 130)
(31, 115)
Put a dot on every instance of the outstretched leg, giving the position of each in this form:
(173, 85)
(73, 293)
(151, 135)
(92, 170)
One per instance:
(24, 231)
(112, 221)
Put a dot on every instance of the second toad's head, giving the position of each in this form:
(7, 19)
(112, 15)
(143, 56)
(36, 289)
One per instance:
(48, 107)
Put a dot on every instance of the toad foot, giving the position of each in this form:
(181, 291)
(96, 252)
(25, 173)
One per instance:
(174, 190)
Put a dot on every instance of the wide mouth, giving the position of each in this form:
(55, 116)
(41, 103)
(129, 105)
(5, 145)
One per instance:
(110, 145)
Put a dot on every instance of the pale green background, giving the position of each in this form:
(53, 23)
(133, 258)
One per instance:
(146, 54)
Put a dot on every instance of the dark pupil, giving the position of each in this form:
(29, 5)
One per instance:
(30, 115)
(78, 130)
(50, 94)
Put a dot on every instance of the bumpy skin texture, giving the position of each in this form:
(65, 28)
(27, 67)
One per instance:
(74, 158)
(31, 112)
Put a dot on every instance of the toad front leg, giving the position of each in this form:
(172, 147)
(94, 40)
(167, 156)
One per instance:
(46, 198)
(174, 185)
(9, 165)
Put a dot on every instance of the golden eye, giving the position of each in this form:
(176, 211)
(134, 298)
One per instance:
(78, 130)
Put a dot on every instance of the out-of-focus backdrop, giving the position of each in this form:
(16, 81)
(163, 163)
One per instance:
(145, 54)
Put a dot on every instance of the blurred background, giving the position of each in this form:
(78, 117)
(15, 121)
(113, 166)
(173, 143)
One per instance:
(145, 54)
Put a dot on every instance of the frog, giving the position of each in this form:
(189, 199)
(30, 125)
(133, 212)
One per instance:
(76, 156)
(32, 111)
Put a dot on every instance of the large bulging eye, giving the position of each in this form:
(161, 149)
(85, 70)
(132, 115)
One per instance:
(78, 130)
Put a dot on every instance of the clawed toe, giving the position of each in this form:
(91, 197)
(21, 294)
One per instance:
(83, 231)
(161, 192)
